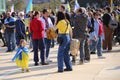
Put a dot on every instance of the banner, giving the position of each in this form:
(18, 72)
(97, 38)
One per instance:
(76, 5)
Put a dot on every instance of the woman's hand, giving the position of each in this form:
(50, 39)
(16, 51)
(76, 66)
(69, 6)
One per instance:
(95, 38)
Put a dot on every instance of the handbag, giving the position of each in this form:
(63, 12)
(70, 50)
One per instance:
(60, 39)
(74, 47)
(51, 34)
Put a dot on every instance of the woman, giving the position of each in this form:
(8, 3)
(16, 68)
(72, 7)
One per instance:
(96, 36)
(65, 33)
(37, 30)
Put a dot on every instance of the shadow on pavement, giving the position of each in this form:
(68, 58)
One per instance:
(113, 51)
(115, 68)
(42, 74)
(14, 70)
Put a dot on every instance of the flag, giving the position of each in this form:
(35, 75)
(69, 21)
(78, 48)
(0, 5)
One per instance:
(68, 7)
(76, 5)
(29, 6)
(12, 8)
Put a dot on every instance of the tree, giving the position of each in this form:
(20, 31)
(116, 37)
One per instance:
(19, 5)
(49, 5)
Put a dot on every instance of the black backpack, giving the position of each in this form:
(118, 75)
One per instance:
(92, 27)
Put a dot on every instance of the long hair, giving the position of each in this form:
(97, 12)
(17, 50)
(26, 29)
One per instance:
(60, 16)
(67, 16)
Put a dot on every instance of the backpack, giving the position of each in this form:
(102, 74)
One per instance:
(113, 24)
(92, 26)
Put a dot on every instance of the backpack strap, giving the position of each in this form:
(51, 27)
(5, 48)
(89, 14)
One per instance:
(92, 22)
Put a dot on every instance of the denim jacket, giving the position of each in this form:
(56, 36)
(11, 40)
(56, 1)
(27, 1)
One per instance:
(96, 30)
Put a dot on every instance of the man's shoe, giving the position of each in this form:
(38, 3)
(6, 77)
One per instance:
(36, 64)
(59, 71)
(81, 63)
(44, 63)
(32, 51)
(93, 53)
(67, 69)
(8, 51)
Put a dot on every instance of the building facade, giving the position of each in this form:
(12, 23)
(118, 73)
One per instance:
(2, 6)
(40, 1)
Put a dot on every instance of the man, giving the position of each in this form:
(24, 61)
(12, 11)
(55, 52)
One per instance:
(108, 32)
(1, 34)
(10, 32)
(79, 31)
(52, 17)
(3, 17)
(20, 28)
(47, 24)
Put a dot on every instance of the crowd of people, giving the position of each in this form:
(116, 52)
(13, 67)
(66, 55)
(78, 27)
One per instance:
(95, 30)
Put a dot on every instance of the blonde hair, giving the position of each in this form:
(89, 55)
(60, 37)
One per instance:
(21, 41)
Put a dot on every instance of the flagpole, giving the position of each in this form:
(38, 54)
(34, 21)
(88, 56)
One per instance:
(111, 3)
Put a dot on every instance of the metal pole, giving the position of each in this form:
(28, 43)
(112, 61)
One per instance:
(49, 4)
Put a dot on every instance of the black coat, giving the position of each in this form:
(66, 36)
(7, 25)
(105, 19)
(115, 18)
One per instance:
(106, 19)
(80, 24)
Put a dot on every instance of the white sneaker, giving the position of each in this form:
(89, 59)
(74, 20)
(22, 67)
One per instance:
(48, 60)
(101, 57)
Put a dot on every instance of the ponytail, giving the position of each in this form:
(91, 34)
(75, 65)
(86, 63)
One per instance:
(35, 13)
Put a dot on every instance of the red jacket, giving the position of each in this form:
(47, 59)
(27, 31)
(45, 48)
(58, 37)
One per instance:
(100, 29)
(37, 29)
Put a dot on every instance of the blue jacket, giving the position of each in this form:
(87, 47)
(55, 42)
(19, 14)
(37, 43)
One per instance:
(96, 29)
(11, 23)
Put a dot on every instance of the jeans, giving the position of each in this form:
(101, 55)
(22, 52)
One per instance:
(63, 53)
(87, 50)
(96, 45)
(47, 46)
(10, 40)
(1, 37)
(39, 44)
(81, 49)
(31, 42)
(99, 46)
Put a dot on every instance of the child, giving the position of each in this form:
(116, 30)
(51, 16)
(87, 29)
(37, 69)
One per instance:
(21, 57)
